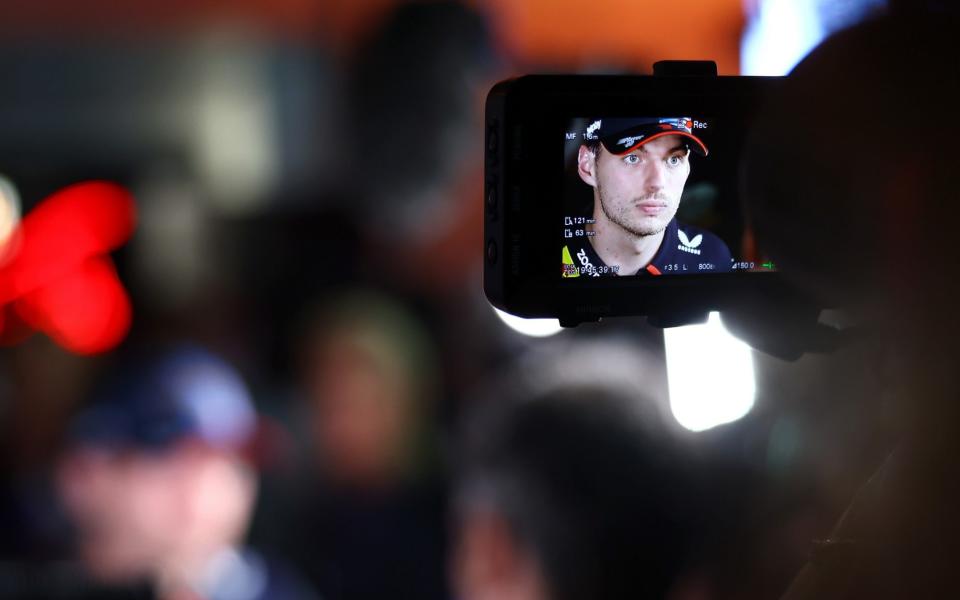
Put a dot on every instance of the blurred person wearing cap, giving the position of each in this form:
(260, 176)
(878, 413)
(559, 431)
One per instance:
(852, 189)
(637, 169)
(160, 484)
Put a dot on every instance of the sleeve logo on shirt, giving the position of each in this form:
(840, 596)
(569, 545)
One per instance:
(688, 245)
(592, 130)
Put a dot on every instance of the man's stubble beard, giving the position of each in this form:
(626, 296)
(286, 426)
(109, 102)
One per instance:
(620, 219)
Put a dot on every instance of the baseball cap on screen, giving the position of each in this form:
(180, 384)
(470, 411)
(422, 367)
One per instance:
(622, 135)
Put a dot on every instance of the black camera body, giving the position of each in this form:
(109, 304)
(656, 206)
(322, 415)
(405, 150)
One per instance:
(549, 224)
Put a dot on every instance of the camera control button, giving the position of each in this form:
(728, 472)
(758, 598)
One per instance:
(492, 200)
(492, 251)
(493, 137)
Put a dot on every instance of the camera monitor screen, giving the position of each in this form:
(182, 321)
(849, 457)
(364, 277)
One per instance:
(651, 196)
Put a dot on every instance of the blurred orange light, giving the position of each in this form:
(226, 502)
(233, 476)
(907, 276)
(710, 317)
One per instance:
(618, 34)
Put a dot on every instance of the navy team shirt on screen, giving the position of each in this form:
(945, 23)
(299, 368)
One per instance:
(685, 249)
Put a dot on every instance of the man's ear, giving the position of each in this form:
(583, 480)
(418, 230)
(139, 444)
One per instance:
(587, 166)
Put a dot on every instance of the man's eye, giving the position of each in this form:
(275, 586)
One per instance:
(631, 159)
(675, 160)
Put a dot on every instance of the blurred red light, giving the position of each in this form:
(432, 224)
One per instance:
(86, 312)
(60, 280)
(74, 224)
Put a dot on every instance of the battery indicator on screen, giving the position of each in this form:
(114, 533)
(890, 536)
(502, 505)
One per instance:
(768, 265)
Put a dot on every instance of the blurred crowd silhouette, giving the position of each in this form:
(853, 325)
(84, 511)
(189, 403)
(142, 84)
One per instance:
(316, 401)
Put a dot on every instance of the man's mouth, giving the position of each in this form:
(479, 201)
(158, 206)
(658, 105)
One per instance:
(652, 208)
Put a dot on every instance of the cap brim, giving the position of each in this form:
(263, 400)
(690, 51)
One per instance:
(700, 148)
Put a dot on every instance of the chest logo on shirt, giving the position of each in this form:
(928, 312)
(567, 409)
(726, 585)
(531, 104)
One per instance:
(688, 245)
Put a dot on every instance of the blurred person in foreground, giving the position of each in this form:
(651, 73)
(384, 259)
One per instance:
(566, 496)
(370, 517)
(421, 75)
(852, 186)
(160, 485)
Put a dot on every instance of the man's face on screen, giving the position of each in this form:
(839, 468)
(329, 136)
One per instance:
(640, 190)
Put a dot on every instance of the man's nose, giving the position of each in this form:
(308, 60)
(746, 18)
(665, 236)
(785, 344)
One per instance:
(655, 177)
